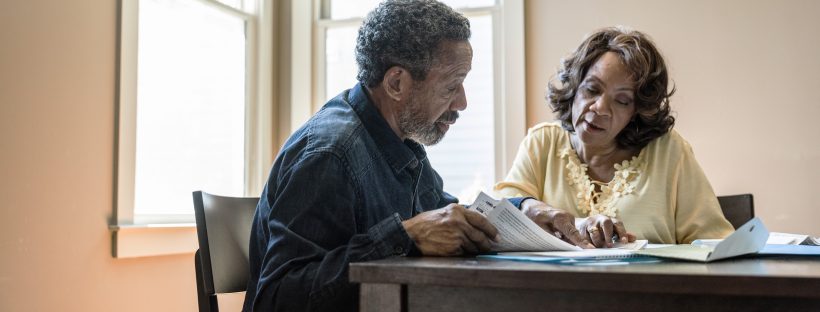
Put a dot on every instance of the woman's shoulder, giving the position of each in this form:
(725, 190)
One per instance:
(545, 138)
(547, 129)
(670, 144)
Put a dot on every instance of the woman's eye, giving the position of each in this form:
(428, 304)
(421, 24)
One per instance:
(590, 90)
(623, 102)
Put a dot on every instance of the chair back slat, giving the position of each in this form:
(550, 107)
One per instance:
(224, 230)
(738, 209)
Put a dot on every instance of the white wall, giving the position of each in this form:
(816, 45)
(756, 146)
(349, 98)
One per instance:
(748, 76)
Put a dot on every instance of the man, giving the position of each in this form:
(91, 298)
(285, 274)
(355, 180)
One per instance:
(354, 183)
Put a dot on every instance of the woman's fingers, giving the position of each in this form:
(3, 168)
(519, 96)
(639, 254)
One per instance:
(596, 236)
(620, 229)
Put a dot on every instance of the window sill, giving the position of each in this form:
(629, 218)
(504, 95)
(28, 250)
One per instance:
(147, 240)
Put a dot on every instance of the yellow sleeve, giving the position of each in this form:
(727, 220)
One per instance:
(698, 214)
(526, 177)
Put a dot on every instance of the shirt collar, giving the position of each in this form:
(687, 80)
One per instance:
(399, 154)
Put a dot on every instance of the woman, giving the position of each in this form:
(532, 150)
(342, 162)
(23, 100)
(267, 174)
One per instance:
(613, 157)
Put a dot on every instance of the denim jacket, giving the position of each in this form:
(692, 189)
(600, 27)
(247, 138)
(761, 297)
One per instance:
(336, 194)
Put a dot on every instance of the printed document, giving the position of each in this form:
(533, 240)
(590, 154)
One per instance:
(516, 231)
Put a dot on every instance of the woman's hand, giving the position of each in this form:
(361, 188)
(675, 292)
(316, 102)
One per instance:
(600, 230)
(555, 221)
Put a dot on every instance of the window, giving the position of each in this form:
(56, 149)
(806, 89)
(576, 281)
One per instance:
(194, 105)
(478, 150)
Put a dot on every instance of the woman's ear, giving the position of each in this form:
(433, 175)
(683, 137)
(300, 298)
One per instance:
(397, 83)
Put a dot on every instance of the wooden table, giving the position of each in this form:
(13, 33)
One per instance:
(469, 284)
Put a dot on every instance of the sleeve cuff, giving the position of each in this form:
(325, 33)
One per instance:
(390, 238)
(516, 201)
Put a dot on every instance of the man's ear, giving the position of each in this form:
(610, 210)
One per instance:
(397, 83)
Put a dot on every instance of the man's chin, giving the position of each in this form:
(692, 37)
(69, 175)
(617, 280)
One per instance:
(429, 139)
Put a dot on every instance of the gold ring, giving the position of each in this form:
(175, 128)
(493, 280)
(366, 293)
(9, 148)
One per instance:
(590, 230)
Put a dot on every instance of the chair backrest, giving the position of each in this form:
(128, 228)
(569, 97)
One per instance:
(738, 209)
(223, 227)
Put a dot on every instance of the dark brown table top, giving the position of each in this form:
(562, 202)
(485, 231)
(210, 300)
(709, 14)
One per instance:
(766, 276)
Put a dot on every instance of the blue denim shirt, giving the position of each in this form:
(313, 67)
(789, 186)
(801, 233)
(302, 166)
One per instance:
(336, 194)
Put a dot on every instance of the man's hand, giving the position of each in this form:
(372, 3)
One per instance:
(555, 221)
(600, 229)
(450, 231)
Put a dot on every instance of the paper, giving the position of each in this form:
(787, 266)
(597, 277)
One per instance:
(777, 238)
(599, 253)
(749, 238)
(516, 231)
(582, 261)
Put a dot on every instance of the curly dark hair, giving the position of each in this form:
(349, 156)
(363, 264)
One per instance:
(405, 33)
(640, 56)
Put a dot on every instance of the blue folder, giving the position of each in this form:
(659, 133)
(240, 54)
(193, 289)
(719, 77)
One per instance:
(795, 250)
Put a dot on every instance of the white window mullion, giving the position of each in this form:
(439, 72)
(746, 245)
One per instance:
(126, 112)
(510, 95)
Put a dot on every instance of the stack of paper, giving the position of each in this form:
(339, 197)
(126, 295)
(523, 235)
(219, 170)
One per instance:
(520, 237)
(515, 230)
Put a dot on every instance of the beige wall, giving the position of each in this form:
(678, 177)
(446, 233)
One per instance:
(747, 73)
(57, 79)
(57, 74)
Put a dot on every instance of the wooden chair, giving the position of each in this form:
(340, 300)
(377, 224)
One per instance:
(738, 209)
(223, 227)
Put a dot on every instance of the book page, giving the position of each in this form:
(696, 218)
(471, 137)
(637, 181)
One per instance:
(516, 231)
(777, 238)
(698, 253)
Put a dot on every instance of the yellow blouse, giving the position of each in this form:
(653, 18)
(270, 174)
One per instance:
(661, 195)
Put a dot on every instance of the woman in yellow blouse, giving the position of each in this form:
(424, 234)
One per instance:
(613, 158)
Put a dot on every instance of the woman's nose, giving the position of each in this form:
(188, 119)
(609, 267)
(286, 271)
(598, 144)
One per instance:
(601, 105)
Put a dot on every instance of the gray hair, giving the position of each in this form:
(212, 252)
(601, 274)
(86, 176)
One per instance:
(405, 33)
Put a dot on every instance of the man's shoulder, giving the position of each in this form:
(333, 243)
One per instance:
(334, 125)
(334, 129)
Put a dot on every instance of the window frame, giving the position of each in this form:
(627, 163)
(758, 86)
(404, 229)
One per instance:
(178, 234)
(508, 61)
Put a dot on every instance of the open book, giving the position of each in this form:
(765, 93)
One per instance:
(518, 233)
(747, 239)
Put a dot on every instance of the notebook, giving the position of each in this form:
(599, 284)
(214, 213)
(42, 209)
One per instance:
(747, 239)
(619, 251)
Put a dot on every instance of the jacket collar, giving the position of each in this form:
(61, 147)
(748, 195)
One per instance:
(399, 154)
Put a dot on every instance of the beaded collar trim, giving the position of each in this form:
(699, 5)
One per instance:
(591, 202)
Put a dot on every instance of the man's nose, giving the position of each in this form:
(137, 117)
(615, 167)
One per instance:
(460, 100)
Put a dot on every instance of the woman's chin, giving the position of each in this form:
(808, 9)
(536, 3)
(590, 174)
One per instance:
(594, 137)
